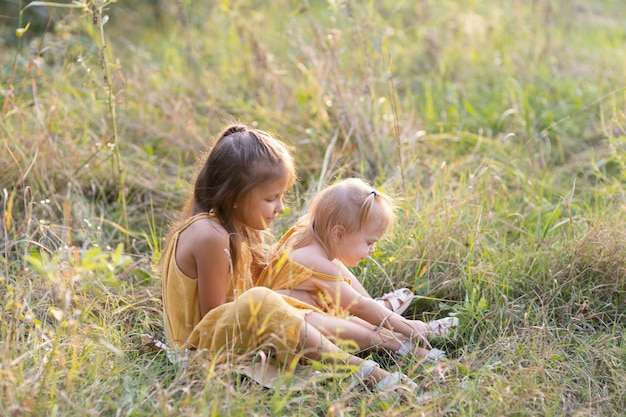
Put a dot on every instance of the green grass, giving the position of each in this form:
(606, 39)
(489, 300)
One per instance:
(498, 125)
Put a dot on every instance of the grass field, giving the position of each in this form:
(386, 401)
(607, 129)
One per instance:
(499, 126)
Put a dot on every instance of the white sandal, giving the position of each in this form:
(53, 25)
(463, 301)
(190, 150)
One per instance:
(391, 381)
(396, 380)
(397, 301)
(365, 369)
(446, 328)
(435, 355)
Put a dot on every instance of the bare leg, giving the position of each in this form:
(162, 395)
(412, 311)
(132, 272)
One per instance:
(314, 345)
(422, 331)
(364, 334)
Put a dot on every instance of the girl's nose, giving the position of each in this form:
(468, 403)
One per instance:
(280, 208)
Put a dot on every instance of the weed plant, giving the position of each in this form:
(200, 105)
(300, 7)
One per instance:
(499, 126)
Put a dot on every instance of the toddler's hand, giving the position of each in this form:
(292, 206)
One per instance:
(420, 327)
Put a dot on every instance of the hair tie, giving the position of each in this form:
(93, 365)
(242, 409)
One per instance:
(375, 193)
(231, 130)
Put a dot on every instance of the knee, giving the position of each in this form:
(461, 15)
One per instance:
(258, 293)
(261, 300)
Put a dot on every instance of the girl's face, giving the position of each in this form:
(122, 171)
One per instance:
(353, 247)
(259, 207)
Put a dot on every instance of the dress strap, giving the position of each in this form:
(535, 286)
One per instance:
(195, 217)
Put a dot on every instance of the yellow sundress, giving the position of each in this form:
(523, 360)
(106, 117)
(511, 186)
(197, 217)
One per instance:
(284, 273)
(252, 316)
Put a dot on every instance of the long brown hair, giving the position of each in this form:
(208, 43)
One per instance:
(241, 159)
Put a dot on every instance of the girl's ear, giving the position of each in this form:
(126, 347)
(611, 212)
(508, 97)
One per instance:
(337, 232)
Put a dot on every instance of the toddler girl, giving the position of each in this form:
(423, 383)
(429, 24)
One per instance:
(343, 223)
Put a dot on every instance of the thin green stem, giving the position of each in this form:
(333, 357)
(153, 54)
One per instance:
(118, 167)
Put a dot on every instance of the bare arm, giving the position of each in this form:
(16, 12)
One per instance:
(344, 294)
(213, 274)
(366, 308)
(356, 284)
(202, 254)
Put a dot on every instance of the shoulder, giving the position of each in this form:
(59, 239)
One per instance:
(202, 237)
(206, 229)
(203, 233)
(313, 257)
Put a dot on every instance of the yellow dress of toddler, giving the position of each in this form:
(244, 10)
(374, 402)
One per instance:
(284, 273)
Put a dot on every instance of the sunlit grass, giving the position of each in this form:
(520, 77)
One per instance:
(499, 127)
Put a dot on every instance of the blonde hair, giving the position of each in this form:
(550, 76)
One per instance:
(350, 203)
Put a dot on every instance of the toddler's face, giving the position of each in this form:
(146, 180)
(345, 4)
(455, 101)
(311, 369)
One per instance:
(356, 246)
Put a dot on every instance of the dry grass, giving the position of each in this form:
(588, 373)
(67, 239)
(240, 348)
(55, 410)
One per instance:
(500, 128)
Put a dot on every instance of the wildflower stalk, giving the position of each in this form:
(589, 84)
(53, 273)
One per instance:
(119, 172)
(18, 33)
